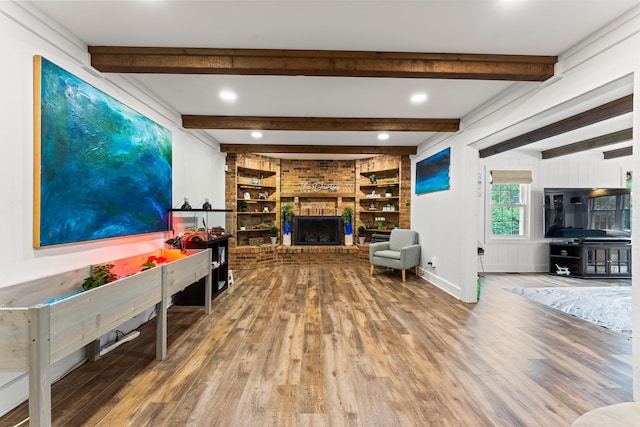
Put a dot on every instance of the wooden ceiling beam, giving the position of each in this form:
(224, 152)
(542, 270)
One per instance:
(340, 124)
(603, 112)
(620, 152)
(589, 144)
(330, 63)
(404, 150)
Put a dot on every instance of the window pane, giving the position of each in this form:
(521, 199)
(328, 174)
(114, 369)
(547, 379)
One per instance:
(626, 220)
(604, 203)
(506, 220)
(507, 211)
(626, 201)
(505, 194)
(604, 219)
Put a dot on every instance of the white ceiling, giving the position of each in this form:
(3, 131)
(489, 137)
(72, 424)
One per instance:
(529, 27)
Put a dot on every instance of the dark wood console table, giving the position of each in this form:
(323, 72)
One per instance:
(586, 258)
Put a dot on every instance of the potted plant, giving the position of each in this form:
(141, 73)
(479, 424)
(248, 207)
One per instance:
(388, 192)
(347, 216)
(287, 217)
(274, 234)
(100, 275)
(361, 234)
(242, 226)
(242, 205)
(396, 224)
(372, 178)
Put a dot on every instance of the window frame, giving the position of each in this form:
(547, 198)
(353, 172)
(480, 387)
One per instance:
(524, 205)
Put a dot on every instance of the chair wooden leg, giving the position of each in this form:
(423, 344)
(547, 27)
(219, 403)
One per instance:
(404, 275)
(371, 272)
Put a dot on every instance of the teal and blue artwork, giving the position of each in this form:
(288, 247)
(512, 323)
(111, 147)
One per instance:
(102, 169)
(432, 173)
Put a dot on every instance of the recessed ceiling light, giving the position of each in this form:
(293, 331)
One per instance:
(383, 136)
(256, 134)
(418, 98)
(228, 96)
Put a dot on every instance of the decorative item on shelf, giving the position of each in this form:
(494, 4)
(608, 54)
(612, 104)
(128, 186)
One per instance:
(265, 209)
(372, 178)
(206, 205)
(186, 204)
(347, 216)
(562, 271)
(261, 226)
(388, 192)
(242, 226)
(287, 217)
(255, 181)
(216, 232)
(372, 207)
(362, 234)
(263, 195)
(274, 234)
(256, 209)
(396, 224)
(380, 221)
(195, 236)
(242, 205)
(100, 275)
(373, 195)
(247, 195)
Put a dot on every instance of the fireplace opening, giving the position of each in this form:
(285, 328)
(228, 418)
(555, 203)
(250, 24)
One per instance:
(317, 230)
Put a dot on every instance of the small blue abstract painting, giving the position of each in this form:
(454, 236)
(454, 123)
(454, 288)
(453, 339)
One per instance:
(432, 173)
(101, 169)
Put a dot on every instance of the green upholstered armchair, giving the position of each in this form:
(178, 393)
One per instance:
(402, 251)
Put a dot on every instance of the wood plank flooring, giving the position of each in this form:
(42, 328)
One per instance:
(331, 346)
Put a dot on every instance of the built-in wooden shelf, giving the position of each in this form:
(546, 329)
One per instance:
(318, 195)
(260, 172)
(258, 200)
(255, 186)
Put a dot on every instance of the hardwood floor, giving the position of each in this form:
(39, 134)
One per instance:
(330, 346)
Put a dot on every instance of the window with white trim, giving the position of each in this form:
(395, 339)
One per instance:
(509, 203)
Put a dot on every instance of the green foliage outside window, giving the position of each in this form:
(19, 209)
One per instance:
(506, 210)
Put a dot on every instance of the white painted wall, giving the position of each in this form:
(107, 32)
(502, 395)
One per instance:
(198, 166)
(584, 73)
(530, 254)
(593, 70)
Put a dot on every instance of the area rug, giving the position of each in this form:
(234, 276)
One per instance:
(608, 306)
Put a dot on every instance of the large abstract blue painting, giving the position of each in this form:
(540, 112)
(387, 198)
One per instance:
(432, 173)
(101, 169)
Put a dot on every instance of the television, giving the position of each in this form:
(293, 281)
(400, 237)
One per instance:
(587, 213)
